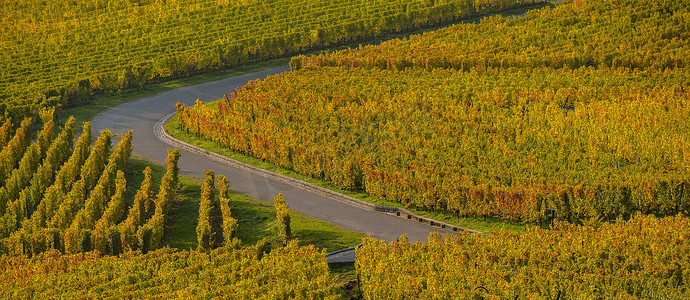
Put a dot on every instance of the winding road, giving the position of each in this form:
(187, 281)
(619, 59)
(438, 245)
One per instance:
(142, 115)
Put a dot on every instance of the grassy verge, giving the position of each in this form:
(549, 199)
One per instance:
(255, 216)
(103, 102)
(481, 224)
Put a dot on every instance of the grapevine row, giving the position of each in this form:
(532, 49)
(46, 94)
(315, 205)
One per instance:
(209, 225)
(215, 226)
(644, 257)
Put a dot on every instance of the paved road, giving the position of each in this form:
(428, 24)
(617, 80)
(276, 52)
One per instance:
(141, 116)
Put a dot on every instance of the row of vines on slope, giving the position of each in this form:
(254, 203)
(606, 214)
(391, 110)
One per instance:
(45, 261)
(72, 196)
(60, 53)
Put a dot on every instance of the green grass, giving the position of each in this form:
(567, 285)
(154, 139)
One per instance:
(485, 225)
(346, 275)
(255, 216)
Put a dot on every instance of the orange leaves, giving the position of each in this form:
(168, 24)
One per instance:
(525, 143)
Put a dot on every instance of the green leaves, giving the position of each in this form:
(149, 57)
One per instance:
(506, 118)
(74, 199)
(229, 223)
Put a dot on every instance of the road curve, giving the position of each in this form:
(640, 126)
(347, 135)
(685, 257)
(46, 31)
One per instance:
(141, 116)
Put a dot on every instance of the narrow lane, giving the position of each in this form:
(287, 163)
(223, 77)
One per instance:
(141, 116)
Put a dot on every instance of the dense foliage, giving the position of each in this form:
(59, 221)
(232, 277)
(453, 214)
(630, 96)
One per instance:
(151, 233)
(587, 143)
(64, 209)
(72, 196)
(643, 258)
(579, 110)
(518, 141)
(57, 52)
(288, 272)
(633, 34)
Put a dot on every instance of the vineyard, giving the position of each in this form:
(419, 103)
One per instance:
(575, 114)
(643, 258)
(289, 272)
(71, 196)
(631, 34)
(66, 220)
(61, 53)
(440, 121)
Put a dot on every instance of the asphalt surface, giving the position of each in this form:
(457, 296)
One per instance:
(141, 116)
